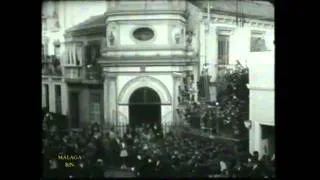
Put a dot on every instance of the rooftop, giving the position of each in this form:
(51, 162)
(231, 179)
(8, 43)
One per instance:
(254, 9)
(93, 21)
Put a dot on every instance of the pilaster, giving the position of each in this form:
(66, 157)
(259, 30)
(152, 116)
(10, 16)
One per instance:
(255, 137)
(43, 97)
(112, 98)
(105, 100)
(52, 94)
(176, 82)
(64, 98)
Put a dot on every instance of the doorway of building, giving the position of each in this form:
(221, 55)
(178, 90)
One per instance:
(74, 109)
(144, 107)
(268, 139)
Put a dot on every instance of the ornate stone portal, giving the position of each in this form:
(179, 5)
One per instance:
(117, 104)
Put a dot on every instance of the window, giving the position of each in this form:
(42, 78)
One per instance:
(74, 109)
(95, 107)
(78, 54)
(92, 53)
(58, 98)
(143, 34)
(44, 24)
(42, 52)
(258, 43)
(46, 86)
(223, 49)
(69, 54)
(57, 49)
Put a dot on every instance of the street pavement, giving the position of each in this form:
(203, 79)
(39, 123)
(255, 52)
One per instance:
(115, 172)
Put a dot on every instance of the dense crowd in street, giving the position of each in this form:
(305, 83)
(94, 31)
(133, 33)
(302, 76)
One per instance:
(147, 152)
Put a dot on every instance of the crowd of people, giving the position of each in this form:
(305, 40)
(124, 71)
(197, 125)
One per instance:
(147, 152)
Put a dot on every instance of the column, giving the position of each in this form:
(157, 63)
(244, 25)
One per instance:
(52, 94)
(112, 93)
(175, 103)
(43, 92)
(74, 51)
(105, 100)
(64, 98)
(196, 78)
(258, 138)
(255, 137)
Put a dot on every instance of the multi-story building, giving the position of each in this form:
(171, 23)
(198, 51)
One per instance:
(125, 64)
(231, 31)
(57, 16)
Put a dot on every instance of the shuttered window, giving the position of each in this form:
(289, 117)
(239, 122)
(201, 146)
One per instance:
(223, 49)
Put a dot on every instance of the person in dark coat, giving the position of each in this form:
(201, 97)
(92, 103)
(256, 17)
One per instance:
(255, 157)
(113, 151)
(256, 171)
(98, 169)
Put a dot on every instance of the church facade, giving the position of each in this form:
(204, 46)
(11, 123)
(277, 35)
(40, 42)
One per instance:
(127, 63)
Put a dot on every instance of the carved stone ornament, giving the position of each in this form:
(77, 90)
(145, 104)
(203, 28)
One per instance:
(177, 37)
(111, 39)
(112, 33)
(178, 34)
(189, 37)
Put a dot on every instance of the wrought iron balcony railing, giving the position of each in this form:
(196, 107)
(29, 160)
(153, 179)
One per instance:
(83, 72)
(51, 66)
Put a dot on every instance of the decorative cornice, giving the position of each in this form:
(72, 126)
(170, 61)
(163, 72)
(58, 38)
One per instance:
(184, 57)
(150, 21)
(231, 20)
(145, 12)
(146, 48)
(234, 14)
(82, 81)
(149, 62)
(177, 75)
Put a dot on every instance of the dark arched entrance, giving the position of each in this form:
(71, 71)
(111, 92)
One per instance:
(144, 107)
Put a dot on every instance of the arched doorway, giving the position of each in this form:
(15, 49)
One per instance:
(144, 107)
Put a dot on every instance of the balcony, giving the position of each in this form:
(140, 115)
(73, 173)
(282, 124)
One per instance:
(90, 74)
(51, 66)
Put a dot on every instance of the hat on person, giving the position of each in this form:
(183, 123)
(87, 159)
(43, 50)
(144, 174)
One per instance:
(145, 147)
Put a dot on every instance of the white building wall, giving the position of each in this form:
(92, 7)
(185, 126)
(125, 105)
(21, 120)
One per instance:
(261, 86)
(70, 13)
(239, 42)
